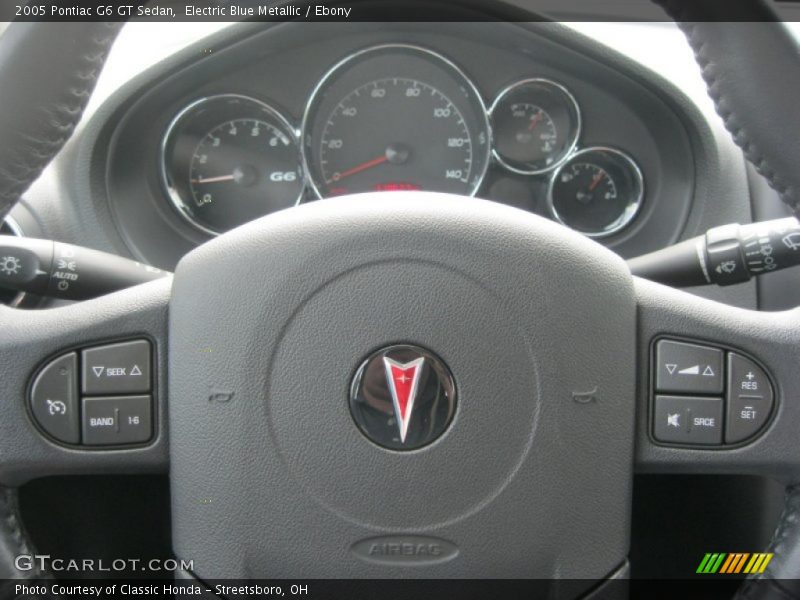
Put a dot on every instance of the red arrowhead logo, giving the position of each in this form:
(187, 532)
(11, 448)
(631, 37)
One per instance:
(403, 379)
(399, 388)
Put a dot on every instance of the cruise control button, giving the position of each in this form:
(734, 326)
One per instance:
(682, 367)
(54, 399)
(745, 417)
(122, 368)
(750, 398)
(688, 420)
(746, 378)
(117, 420)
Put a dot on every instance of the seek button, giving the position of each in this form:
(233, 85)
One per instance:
(122, 368)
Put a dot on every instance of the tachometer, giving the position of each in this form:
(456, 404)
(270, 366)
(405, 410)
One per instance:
(395, 117)
(228, 160)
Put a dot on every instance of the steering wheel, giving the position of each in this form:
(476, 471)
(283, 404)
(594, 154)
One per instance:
(526, 347)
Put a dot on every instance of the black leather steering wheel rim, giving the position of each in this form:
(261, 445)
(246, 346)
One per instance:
(39, 129)
(39, 116)
(743, 49)
(38, 119)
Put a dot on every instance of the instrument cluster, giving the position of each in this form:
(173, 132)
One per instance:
(387, 118)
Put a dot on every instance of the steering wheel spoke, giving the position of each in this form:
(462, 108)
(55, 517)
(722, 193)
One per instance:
(83, 386)
(717, 387)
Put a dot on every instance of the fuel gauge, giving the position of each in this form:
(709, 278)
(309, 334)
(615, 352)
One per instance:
(597, 192)
(536, 124)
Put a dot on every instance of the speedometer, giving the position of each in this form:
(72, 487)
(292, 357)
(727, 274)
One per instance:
(392, 118)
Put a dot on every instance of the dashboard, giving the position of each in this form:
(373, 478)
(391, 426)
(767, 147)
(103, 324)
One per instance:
(296, 113)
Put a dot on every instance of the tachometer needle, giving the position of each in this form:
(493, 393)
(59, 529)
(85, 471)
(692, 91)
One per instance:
(362, 167)
(231, 177)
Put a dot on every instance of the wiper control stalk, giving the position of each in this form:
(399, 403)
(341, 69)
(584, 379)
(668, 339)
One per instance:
(724, 255)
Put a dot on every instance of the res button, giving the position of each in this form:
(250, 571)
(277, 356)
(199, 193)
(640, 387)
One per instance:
(750, 398)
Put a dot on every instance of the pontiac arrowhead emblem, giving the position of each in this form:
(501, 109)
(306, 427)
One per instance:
(403, 379)
(403, 397)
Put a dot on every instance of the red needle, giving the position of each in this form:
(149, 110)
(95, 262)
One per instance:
(596, 181)
(535, 120)
(362, 167)
(215, 179)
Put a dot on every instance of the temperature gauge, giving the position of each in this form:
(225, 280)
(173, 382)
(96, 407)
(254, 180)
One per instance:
(536, 124)
(597, 192)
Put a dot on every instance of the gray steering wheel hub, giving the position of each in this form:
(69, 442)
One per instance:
(274, 319)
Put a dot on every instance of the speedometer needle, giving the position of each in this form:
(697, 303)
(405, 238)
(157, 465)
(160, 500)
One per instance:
(362, 167)
(231, 177)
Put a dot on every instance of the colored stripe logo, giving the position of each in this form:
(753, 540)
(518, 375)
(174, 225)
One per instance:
(734, 562)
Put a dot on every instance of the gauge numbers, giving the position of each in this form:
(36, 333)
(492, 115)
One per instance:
(534, 128)
(587, 183)
(232, 157)
(433, 151)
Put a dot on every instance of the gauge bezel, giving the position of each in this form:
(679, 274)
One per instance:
(632, 208)
(573, 142)
(166, 180)
(328, 77)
